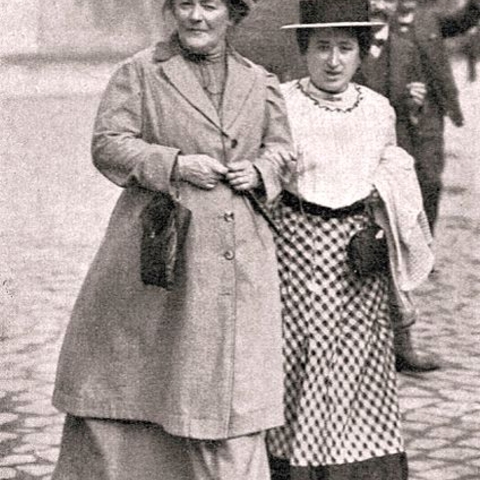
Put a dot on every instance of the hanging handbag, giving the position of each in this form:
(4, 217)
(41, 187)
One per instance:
(165, 225)
(367, 251)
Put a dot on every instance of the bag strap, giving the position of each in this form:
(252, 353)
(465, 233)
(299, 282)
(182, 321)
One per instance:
(258, 206)
(175, 180)
(370, 202)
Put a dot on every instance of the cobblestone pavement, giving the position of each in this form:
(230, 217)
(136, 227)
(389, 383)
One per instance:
(54, 209)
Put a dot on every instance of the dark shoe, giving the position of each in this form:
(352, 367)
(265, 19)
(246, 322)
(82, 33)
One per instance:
(416, 363)
(279, 469)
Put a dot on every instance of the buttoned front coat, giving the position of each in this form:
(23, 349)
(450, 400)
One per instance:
(204, 361)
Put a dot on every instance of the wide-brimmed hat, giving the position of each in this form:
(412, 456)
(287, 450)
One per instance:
(334, 13)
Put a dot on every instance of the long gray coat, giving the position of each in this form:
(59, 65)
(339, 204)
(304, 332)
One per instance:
(203, 361)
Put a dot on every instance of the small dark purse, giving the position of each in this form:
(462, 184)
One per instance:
(367, 251)
(165, 225)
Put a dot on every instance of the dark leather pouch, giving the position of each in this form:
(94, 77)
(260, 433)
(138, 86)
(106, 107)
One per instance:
(165, 225)
(367, 252)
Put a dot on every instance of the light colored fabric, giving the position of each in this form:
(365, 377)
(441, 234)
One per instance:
(204, 360)
(337, 150)
(404, 219)
(94, 449)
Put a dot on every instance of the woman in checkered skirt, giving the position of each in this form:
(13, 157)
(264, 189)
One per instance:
(341, 403)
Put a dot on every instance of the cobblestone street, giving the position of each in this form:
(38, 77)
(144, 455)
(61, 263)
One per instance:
(54, 208)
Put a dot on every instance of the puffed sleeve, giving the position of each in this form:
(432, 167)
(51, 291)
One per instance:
(393, 154)
(276, 156)
(118, 148)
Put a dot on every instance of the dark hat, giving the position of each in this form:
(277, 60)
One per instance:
(334, 13)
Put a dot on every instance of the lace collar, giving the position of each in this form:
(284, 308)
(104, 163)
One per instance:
(344, 103)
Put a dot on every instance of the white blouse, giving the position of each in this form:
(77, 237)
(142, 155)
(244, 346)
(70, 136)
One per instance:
(339, 143)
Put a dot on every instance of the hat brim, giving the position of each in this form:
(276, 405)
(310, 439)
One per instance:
(333, 25)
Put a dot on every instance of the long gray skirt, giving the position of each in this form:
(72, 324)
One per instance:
(96, 449)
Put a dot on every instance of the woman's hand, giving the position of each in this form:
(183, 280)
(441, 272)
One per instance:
(243, 176)
(201, 170)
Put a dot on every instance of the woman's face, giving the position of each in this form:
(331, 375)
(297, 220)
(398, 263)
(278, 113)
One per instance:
(333, 57)
(202, 24)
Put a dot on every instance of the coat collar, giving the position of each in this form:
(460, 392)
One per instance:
(168, 49)
(240, 81)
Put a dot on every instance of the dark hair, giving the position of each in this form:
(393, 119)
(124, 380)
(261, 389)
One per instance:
(363, 34)
(237, 9)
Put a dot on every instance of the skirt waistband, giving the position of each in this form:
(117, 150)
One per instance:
(326, 213)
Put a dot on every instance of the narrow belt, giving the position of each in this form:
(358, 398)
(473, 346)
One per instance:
(326, 213)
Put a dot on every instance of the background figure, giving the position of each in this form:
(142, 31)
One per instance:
(427, 27)
(393, 68)
(181, 384)
(260, 39)
(471, 50)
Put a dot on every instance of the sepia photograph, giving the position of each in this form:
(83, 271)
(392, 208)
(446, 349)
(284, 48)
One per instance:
(239, 240)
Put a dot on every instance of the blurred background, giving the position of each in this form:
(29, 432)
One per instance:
(93, 29)
(55, 59)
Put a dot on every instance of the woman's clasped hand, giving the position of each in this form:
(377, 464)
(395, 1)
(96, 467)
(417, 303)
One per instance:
(206, 172)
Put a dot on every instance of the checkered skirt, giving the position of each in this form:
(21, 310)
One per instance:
(341, 401)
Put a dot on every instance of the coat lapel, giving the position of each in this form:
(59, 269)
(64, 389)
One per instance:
(240, 81)
(181, 77)
(396, 62)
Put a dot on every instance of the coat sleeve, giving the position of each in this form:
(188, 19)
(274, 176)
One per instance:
(415, 73)
(276, 155)
(118, 148)
(407, 67)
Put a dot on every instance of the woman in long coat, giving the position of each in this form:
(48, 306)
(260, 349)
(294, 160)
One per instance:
(181, 383)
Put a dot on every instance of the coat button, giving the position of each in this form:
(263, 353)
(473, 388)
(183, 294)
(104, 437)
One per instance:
(228, 216)
(229, 255)
(234, 143)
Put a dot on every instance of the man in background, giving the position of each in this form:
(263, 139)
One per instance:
(411, 51)
(424, 24)
(393, 68)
